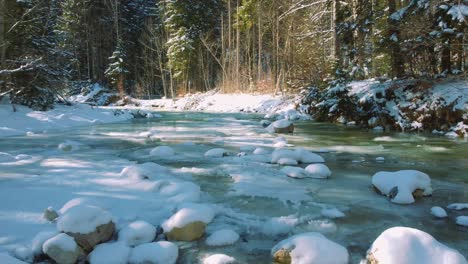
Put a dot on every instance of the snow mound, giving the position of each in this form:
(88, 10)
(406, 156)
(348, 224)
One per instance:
(283, 154)
(216, 153)
(406, 182)
(219, 259)
(312, 248)
(319, 171)
(24, 254)
(294, 172)
(462, 220)
(438, 212)
(332, 213)
(458, 206)
(162, 252)
(7, 259)
(279, 225)
(83, 219)
(110, 253)
(278, 125)
(222, 237)
(261, 151)
(405, 245)
(136, 233)
(148, 170)
(39, 240)
(162, 151)
(189, 213)
(62, 241)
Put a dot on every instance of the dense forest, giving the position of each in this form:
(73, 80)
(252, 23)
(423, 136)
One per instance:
(149, 48)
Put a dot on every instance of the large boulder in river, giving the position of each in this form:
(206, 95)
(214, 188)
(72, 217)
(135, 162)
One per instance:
(189, 223)
(63, 249)
(88, 225)
(405, 245)
(402, 186)
(309, 247)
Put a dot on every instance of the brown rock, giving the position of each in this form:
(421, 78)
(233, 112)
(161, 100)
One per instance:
(189, 232)
(282, 256)
(88, 241)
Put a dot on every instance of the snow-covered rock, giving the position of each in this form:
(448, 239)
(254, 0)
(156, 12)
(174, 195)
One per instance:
(405, 245)
(438, 212)
(222, 237)
(458, 206)
(287, 161)
(136, 233)
(110, 253)
(7, 259)
(39, 240)
(189, 222)
(63, 249)
(309, 248)
(24, 253)
(401, 186)
(162, 151)
(332, 213)
(305, 156)
(162, 252)
(216, 153)
(265, 122)
(219, 259)
(283, 154)
(462, 220)
(281, 126)
(318, 171)
(148, 170)
(88, 225)
(294, 172)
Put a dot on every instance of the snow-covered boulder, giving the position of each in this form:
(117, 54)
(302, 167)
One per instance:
(438, 212)
(402, 186)
(318, 171)
(294, 172)
(219, 259)
(39, 240)
(222, 237)
(162, 151)
(216, 153)
(265, 122)
(50, 214)
(283, 154)
(138, 232)
(110, 253)
(309, 247)
(7, 259)
(63, 249)
(305, 156)
(405, 245)
(281, 126)
(188, 223)
(148, 170)
(162, 252)
(462, 220)
(88, 225)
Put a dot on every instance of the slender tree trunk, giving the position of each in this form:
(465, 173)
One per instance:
(2, 34)
(336, 51)
(237, 46)
(445, 62)
(259, 65)
(397, 61)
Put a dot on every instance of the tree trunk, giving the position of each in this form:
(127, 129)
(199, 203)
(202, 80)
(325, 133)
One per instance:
(397, 62)
(2, 34)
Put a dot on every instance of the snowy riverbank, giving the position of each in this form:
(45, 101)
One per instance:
(402, 105)
(27, 121)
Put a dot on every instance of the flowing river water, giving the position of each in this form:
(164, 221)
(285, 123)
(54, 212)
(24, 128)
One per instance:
(251, 192)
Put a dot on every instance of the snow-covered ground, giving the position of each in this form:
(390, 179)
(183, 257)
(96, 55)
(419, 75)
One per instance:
(26, 121)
